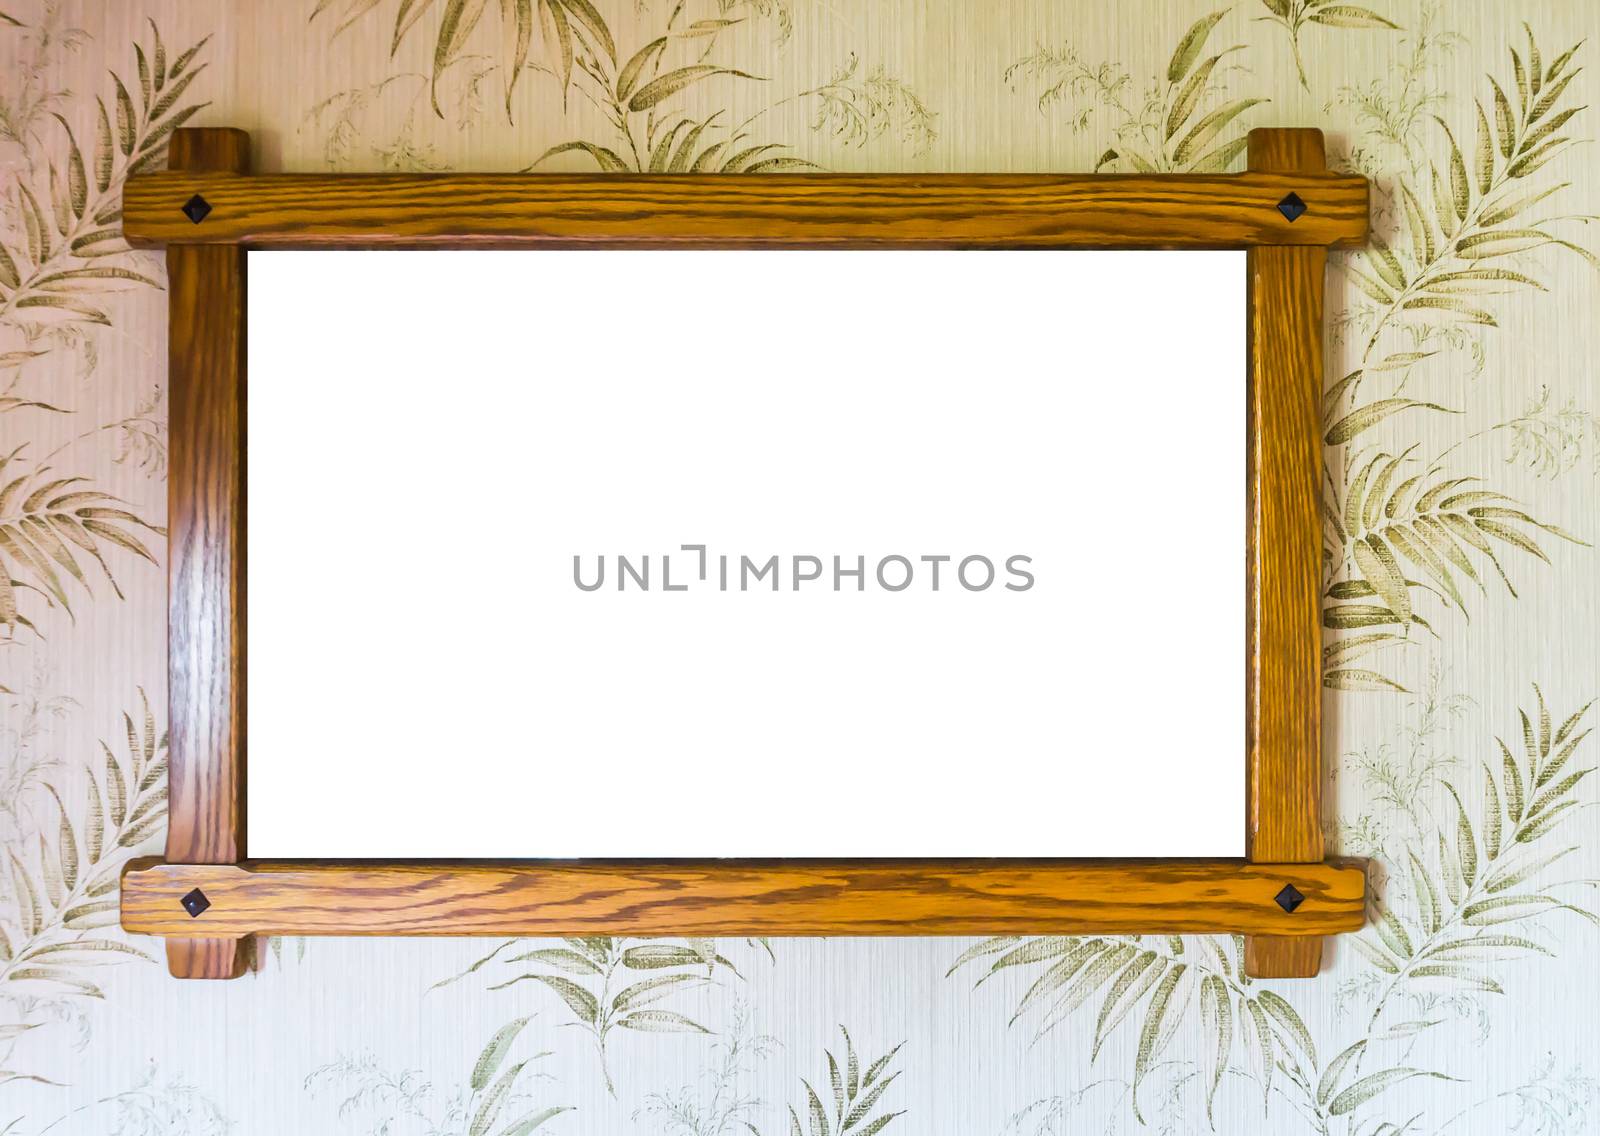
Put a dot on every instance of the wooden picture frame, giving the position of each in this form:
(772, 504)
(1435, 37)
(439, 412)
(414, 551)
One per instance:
(209, 901)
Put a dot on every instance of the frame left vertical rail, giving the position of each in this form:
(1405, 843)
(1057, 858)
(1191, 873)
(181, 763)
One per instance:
(206, 550)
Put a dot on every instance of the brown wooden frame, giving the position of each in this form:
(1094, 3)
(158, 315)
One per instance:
(206, 850)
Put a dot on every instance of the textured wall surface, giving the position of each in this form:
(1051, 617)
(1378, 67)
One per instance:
(1463, 448)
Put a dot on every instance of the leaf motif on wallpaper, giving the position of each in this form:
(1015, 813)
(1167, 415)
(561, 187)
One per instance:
(636, 96)
(1468, 222)
(1183, 123)
(62, 874)
(66, 249)
(341, 115)
(492, 1082)
(606, 983)
(1395, 111)
(1551, 439)
(52, 525)
(1165, 983)
(32, 91)
(159, 1103)
(1560, 1098)
(1400, 778)
(1399, 534)
(1466, 892)
(1343, 1089)
(1155, 983)
(142, 435)
(1295, 15)
(719, 1103)
(638, 93)
(573, 37)
(1471, 893)
(851, 1104)
(284, 949)
(495, 1100)
(856, 111)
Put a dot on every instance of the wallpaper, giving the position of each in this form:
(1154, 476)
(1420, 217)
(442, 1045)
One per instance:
(1462, 599)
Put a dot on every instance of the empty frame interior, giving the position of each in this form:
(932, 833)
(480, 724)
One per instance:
(711, 554)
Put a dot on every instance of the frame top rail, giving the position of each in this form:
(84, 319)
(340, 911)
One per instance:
(1021, 211)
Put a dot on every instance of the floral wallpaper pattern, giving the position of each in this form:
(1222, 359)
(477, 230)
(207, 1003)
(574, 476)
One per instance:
(1462, 597)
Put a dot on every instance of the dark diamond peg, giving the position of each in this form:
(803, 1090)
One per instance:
(1289, 898)
(1292, 207)
(197, 209)
(195, 903)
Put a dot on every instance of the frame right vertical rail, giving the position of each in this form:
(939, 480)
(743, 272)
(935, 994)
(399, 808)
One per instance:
(1283, 731)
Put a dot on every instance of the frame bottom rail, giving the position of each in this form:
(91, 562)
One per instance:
(742, 897)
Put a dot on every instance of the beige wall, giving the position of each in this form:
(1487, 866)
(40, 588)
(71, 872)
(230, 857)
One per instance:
(1456, 704)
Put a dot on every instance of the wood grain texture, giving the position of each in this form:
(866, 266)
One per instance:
(1283, 732)
(819, 210)
(732, 897)
(205, 591)
(1279, 956)
(207, 586)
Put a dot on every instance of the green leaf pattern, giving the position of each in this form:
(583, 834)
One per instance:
(1461, 426)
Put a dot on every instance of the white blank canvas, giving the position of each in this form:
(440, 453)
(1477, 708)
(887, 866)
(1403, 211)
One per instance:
(434, 436)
